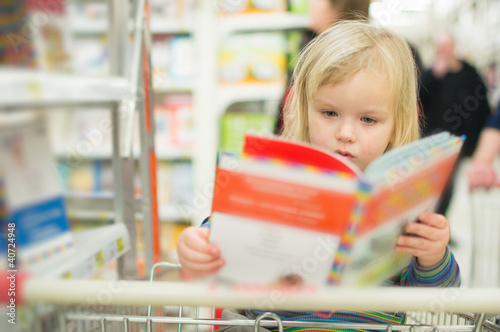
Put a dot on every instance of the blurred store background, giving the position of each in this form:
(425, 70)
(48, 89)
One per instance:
(219, 68)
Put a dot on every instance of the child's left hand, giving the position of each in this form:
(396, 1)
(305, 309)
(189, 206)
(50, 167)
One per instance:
(427, 239)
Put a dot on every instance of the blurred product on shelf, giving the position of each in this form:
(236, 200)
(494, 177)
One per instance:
(251, 6)
(91, 10)
(89, 135)
(299, 6)
(33, 196)
(175, 189)
(172, 9)
(15, 48)
(47, 23)
(174, 124)
(94, 11)
(95, 177)
(159, 57)
(90, 56)
(234, 125)
(253, 57)
(181, 58)
(53, 45)
(172, 58)
(89, 177)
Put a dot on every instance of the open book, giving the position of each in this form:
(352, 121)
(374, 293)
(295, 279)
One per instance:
(287, 212)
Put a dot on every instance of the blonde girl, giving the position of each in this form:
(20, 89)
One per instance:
(354, 95)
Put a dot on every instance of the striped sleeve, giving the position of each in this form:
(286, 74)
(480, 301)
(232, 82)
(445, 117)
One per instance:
(446, 273)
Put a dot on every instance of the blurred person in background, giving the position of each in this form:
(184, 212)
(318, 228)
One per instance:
(481, 173)
(322, 14)
(454, 98)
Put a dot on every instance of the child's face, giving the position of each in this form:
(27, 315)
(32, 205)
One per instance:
(353, 119)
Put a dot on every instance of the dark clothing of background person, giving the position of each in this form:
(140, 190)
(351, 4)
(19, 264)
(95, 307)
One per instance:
(457, 103)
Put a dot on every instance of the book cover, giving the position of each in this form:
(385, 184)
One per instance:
(284, 211)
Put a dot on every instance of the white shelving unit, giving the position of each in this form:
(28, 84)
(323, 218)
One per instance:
(230, 24)
(83, 28)
(27, 88)
(168, 86)
(21, 89)
(228, 95)
(118, 93)
(106, 154)
(211, 99)
(87, 27)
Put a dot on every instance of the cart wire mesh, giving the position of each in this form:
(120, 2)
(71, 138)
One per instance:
(94, 316)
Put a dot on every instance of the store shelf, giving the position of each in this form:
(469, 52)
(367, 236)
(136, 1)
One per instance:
(99, 207)
(106, 154)
(174, 154)
(169, 213)
(262, 22)
(171, 26)
(28, 89)
(93, 250)
(172, 86)
(83, 26)
(230, 94)
(228, 24)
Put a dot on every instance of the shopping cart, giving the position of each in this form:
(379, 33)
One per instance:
(168, 306)
(485, 226)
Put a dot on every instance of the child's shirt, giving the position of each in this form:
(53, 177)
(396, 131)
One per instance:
(444, 274)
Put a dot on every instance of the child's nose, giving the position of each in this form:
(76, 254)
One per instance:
(346, 132)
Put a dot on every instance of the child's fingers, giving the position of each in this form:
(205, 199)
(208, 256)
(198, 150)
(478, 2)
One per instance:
(424, 231)
(195, 255)
(427, 240)
(414, 243)
(203, 269)
(410, 250)
(197, 240)
(430, 223)
(432, 226)
(433, 219)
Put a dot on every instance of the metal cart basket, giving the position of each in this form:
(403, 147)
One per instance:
(188, 306)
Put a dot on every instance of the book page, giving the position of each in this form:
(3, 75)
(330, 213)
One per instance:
(261, 252)
(388, 210)
(272, 221)
(409, 156)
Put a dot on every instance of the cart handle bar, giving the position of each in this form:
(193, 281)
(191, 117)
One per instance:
(209, 294)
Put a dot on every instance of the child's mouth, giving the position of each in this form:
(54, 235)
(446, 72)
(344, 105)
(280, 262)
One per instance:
(345, 154)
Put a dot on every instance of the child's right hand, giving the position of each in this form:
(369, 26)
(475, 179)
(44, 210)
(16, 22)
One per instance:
(197, 256)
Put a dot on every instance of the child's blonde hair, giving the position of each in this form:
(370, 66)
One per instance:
(339, 53)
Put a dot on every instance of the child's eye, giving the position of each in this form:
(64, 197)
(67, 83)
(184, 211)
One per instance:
(368, 120)
(330, 114)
